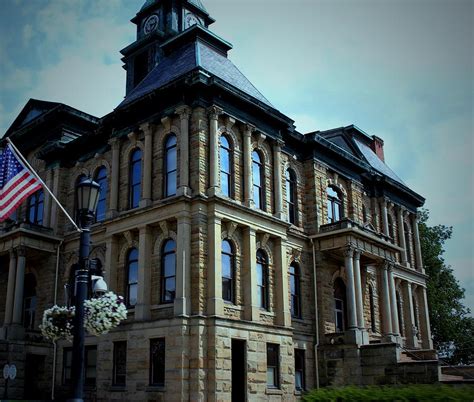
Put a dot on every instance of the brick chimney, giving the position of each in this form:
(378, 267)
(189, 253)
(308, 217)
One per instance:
(377, 147)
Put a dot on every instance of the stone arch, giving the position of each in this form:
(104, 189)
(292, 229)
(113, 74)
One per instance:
(338, 185)
(235, 243)
(129, 148)
(76, 174)
(98, 164)
(124, 250)
(268, 252)
(98, 252)
(230, 134)
(160, 239)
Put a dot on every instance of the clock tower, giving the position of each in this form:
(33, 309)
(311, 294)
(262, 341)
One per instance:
(157, 22)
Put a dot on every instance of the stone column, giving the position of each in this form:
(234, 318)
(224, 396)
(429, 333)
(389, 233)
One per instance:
(383, 203)
(401, 236)
(277, 181)
(411, 330)
(114, 178)
(358, 291)
(350, 289)
(47, 200)
(19, 286)
(386, 309)
(252, 308)
(10, 289)
(182, 303)
(426, 341)
(142, 308)
(393, 302)
(214, 113)
(54, 205)
(215, 304)
(147, 165)
(283, 316)
(184, 113)
(248, 198)
(110, 265)
(416, 236)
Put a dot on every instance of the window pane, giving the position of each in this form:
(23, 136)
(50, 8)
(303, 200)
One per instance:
(225, 160)
(259, 274)
(225, 184)
(170, 289)
(226, 247)
(157, 362)
(227, 289)
(170, 265)
(133, 291)
(226, 266)
(120, 363)
(256, 175)
(133, 272)
(171, 160)
(169, 246)
(171, 184)
(256, 196)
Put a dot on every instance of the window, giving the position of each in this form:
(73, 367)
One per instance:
(364, 214)
(400, 312)
(132, 277)
(262, 279)
(140, 68)
(273, 365)
(415, 312)
(334, 204)
(226, 166)
(295, 290)
(340, 305)
(35, 208)
(29, 301)
(135, 178)
(120, 363)
(391, 230)
(257, 176)
(168, 271)
(157, 362)
(227, 271)
(372, 309)
(299, 370)
(407, 241)
(101, 179)
(171, 166)
(291, 196)
(90, 365)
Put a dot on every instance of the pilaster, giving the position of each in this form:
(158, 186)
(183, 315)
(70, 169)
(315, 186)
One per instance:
(393, 302)
(248, 199)
(383, 203)
(215, 304)
(252, 310)
(182, 303)
(282, 309)
(114, 178)
(214, 187)
(142, 308)
(411, 330)
(386, 308)
(426, 341)
(401, 236)
(277, 181)
(147, 164)
(47, 200)
(184, 113)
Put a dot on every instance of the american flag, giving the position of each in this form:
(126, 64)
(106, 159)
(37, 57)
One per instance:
(16, 182)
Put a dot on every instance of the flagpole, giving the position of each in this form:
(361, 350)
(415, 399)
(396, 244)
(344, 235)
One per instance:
(23, 159)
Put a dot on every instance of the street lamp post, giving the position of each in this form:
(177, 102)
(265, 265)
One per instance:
(87, 197)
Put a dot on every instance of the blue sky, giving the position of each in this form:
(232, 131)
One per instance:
(399, 69)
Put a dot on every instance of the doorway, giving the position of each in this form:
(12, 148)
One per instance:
(239, 370)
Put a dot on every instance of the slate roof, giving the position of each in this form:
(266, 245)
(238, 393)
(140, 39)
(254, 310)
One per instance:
(374, 161)
(197, 3)
(192, 56)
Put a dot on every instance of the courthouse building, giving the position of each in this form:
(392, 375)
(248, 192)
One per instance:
(255, 260)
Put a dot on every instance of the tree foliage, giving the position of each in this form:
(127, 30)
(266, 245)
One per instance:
(452, 327)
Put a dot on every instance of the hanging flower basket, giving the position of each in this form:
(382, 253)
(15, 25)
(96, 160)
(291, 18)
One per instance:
(104, 313)
(57, 323)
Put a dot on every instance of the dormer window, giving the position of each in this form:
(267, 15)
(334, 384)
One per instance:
(334, 204)
(140, 68)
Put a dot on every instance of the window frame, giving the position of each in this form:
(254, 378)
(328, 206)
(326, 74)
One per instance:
(115, 374)
(398, 299)
(259, 164)
(291, 196)
(88, 381)
(224, 175)
(300, 356)
(162, 345)
(36, 207)
(163, 277)
(135, 182)
(231, 256)
(340, 296)
(373, 324)
(295, 275)
(334, 204)
(128, 283)
(263, 288)
(32, 299)
(166, 171)
(275, 384)
(102, 201)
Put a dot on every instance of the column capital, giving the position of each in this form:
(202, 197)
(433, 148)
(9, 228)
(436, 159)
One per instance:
(214, 112)
(147, 128)
(387, 265)
(248, 129)
(349, 251)
(114, 143)
(21, 251)
(183, 111)
(357, 254)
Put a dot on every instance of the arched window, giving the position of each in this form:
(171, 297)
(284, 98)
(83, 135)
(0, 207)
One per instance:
(257, 179)
(334, 204)
(295, 290)
(226, 166)
(340, 314)
(291, 196)
(168, 271)
(35, 208)
(29, 301)
(132, 277)
(101, 179)
(373, 325)
(228, 272)
(391, 229)
(400, 312)
(135, 180)
(171, 165)
(407, 241)
(262, 279)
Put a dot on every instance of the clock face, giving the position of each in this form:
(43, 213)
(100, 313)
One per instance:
(190, 19)
(151, 24)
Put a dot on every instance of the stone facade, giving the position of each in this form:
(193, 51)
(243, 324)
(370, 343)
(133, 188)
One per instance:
(363, 248)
